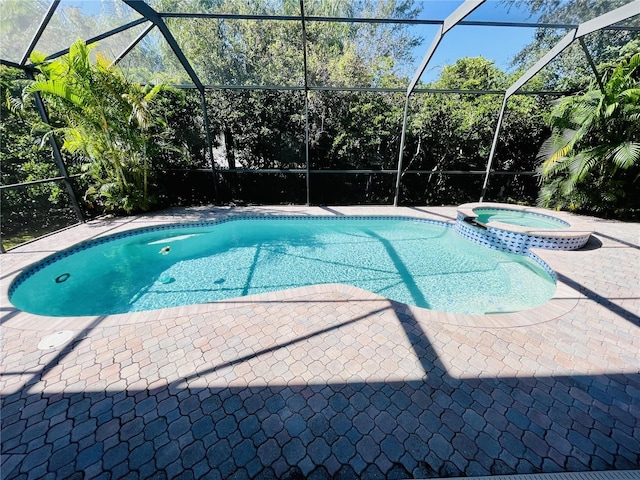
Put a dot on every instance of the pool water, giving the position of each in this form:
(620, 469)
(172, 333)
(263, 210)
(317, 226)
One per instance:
(517, 217)
(414, 262)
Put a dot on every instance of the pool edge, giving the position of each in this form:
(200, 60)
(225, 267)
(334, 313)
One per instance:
(556, 306)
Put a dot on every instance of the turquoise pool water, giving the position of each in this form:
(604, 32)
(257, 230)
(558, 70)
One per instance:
(414, 262)
(516, 217)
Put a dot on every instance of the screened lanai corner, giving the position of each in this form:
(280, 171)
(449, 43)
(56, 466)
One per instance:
(273, 60)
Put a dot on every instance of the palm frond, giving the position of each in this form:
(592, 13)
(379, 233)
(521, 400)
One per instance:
(555, 149)
(627, 155)
(15, 104)
(610, 110)
(57, 88)
(154, 91)
(103, 61)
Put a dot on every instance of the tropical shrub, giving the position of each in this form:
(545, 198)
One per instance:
(455, 132)
(37, 208)
(109, 126)
(591, 162)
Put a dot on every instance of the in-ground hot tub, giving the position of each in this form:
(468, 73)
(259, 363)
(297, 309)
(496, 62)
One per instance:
(521, 218)
(517, 229)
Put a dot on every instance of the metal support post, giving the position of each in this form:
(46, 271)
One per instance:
(493, 148)
(306, 144)
(306, 102)
(132, 45)
(207, 132)
(56, 155)
(40, 31)
(591, 64)
(401, 154)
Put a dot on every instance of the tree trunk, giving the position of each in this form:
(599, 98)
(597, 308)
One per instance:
(228, 146)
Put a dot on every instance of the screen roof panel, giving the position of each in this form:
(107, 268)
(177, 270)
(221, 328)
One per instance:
(228, 8)
(377, 55)
(633, 22)
(504, 11)
(554, 76)
(562, 12)
(84, 19)
(114, 45)
(19, 21)
(242, 52)
(152, 60)
(438, 9)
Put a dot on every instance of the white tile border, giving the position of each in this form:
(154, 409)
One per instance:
(519, 239)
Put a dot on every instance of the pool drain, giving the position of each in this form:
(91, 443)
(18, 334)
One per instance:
(63, 278)
(55, 340)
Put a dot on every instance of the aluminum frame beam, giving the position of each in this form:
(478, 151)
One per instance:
(42, 111)
(396, 195)
(207, 132)
(615, 16)
(405, 21)
(302, 171)
(37, 182)
(601, 22)
(24, 68)
(556, 50)
(102, 36)
(150, 14)
(40, 31)
(494, 143)
(620, 14)
(451, 21)
(454, 18)
(594, 69)
(306, 102)
(132, 45)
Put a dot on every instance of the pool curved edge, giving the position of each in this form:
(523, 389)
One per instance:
(561, 303)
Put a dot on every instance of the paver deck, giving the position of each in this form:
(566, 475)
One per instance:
(329, 381)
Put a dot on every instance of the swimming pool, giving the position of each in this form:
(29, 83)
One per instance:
(518, 217)
(418, 262)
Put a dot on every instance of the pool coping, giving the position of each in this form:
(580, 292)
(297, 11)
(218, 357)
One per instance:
(563, 301)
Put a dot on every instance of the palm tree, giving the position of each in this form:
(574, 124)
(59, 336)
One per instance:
(592, 160)
(105, 121)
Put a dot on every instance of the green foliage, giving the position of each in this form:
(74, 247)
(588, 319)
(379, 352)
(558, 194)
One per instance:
(592, 160)
(131, 142)
(455, 132)
(108, 123)
(35, 209)
(20, 155)
(265, 129)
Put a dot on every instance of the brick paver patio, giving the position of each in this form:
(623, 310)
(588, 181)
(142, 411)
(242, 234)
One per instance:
(329, 381)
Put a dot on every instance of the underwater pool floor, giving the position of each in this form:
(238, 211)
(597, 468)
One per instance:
(328, 381)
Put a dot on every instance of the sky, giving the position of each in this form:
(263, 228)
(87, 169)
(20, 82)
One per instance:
(499, 44)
